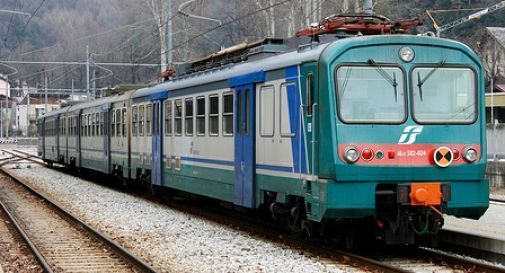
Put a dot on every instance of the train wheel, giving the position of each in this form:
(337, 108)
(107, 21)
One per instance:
(295, 219)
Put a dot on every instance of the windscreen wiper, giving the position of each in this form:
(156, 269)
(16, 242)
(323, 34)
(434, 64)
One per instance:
(386, 76)
(420, 81)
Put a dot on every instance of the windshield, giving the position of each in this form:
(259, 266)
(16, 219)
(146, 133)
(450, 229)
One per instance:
(370, 94)
(444, 95)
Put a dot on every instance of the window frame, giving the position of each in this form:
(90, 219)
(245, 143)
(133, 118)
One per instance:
(309, 93)
(200, 116)
(178, 118)
(476, 94)
(261, 111)
(382, 65)
(141, 120)
(223, 114)
(215, 95)
(135, 114)
(192, 117)
(149, 121)
(286, 85)
(168, 118)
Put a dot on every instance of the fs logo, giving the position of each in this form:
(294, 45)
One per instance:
(409, 135)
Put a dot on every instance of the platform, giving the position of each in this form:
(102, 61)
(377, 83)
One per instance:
(486, 234)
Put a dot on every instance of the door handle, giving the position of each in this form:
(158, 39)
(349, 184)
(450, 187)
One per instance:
(242, 166)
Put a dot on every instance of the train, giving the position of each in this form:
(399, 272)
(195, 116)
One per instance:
(354, 127)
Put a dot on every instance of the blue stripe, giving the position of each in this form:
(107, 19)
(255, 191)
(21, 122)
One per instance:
(275, 168)
(254, 77)
(293, 95)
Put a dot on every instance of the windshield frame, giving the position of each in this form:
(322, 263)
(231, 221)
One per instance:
(403, 82)
(413, 88)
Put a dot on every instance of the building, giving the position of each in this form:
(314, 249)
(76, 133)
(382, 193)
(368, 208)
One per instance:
(5, 87)
(28, 110)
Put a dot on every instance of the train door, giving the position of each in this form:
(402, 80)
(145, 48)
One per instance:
(157, 144)
(105, 120)
(43, 133)
(309, 88)
(79, 125)
(245, 132)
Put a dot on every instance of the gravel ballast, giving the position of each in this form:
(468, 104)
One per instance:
(171, 240)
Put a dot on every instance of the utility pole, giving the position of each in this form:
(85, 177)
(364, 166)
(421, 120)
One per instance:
(368, 6)
(72, 89)
(45, 84)
(169, 35)
(1, 118)
(28, 113)
(87, 72)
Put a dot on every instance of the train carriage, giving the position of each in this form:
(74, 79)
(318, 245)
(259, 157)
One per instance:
(386, 132)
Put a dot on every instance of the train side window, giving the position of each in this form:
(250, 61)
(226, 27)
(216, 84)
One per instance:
(93, 125)
(267, 111)
(113, 124)
(309, 95)
(149, 114)
(228, 114)
(178, 117)
(82, 126)
(102, 121)
(134, 120)
(124, 122)
(118, 122)
(213, 115)
(286, 129)
(200, 116)
(188, 117)
(142, 114)
(168, 117)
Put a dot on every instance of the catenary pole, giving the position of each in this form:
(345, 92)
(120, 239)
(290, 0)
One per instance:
(45, 85)
(169, 35)
(87, 72)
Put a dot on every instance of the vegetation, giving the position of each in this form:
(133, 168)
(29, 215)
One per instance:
(130, 31)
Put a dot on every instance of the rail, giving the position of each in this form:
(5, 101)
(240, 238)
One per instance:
(132, 259)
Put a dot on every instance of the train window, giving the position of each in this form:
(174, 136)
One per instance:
(149, 115)
(267, 110)
(286, 129)
(134, 120)
(93, 124)
(118, 122)
(444, 95)
(309, 93)
(213, 115)
(228, 114)
(188, 117)
(113, 124)
(142, 114)
(370, 94)
(200, 116)
(168, 117)
(247, 112)
(124, 122)
(102, 121)
(178, 117)
(82, 125)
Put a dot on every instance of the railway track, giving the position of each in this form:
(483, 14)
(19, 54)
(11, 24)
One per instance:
(60, 241)
(417, 260)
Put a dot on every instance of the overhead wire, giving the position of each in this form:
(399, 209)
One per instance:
(9, 27)
(33, 14)
(225, 24)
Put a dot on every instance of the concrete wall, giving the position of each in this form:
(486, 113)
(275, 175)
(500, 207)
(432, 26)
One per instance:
(496, 141)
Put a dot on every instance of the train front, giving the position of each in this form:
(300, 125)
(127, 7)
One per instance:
(403, 121)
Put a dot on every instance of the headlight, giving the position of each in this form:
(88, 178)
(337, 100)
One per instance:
(407, 54)
(470, 154)
(351, 154)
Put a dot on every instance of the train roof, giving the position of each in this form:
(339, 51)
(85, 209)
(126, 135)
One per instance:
(305, 54)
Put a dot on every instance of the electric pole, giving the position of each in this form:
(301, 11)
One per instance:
(169, 35)
(87, 72)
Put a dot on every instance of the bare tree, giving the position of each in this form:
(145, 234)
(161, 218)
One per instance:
(159, 9)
